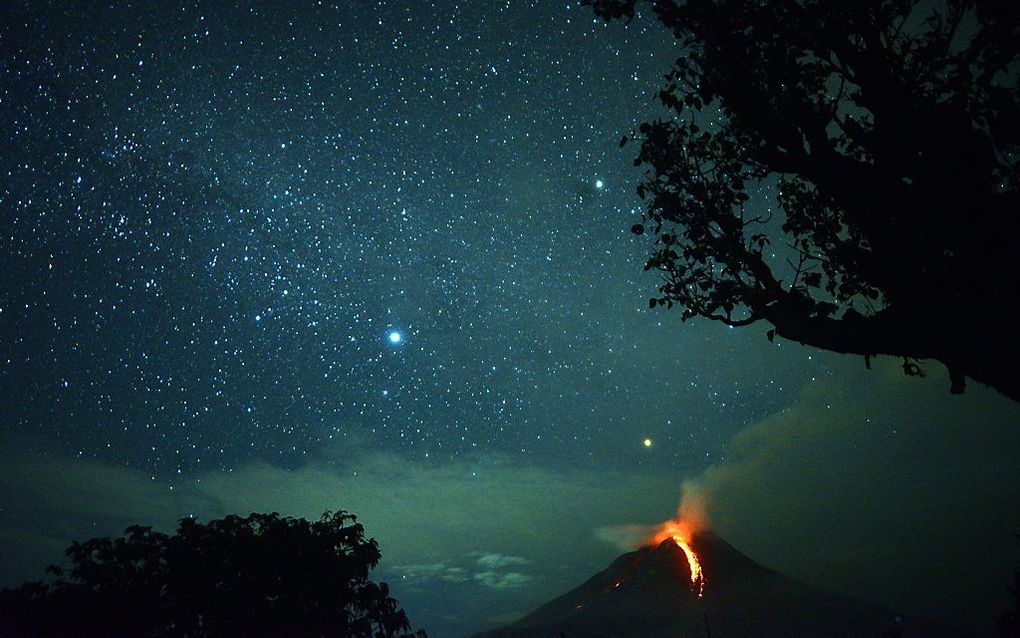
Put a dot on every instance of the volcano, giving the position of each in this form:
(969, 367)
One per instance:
(651, 593)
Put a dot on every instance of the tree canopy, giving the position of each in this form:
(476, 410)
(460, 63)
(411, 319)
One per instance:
(254, 576)
(844, 171)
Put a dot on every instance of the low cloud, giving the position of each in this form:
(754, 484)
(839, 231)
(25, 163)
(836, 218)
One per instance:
(625, 537)
(504, 580)
(489, 569)
(420, 574)
(496, 561)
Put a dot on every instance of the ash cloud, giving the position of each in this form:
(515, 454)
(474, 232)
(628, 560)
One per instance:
(896, 492)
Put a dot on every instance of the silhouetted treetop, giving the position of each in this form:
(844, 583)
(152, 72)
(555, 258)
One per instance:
(845, 171)
(253, 576)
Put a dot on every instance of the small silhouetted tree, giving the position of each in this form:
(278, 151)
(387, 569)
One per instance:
(254, 576)
(888, 131)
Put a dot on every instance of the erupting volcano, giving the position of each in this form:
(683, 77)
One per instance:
(660, 590)
(682, 531)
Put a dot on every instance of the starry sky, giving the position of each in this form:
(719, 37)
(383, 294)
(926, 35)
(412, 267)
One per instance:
(376, 256)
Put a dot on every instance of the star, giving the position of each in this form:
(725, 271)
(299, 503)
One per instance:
(647, 443)
(395, 337)
(599, 184)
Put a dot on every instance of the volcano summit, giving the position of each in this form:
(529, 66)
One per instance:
(651, 593)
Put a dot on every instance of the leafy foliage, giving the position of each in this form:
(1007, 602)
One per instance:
(259, 575)
(889, 131)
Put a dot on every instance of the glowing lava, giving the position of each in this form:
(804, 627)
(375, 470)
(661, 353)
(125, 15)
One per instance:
(682, 532)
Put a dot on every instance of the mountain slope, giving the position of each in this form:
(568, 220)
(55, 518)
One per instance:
(648, 593)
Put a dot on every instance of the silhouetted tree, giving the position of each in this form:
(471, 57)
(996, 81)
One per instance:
(888, 130)
(255, 576)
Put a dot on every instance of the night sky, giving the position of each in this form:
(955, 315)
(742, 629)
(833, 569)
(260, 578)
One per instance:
(375, 256)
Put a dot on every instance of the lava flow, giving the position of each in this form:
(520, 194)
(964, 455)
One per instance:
(682, 532)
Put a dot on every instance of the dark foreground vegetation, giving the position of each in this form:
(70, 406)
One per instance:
(260, 575)
(887, 133)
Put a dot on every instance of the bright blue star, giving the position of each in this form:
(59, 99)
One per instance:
(395, 336)
(599, 184)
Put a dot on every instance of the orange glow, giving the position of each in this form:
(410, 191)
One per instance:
(682, 532)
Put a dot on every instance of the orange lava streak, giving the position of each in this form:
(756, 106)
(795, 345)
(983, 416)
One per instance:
(697, 575)
(681, 532)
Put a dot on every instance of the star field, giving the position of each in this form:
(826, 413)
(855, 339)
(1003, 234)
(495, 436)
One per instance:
(219, 218)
